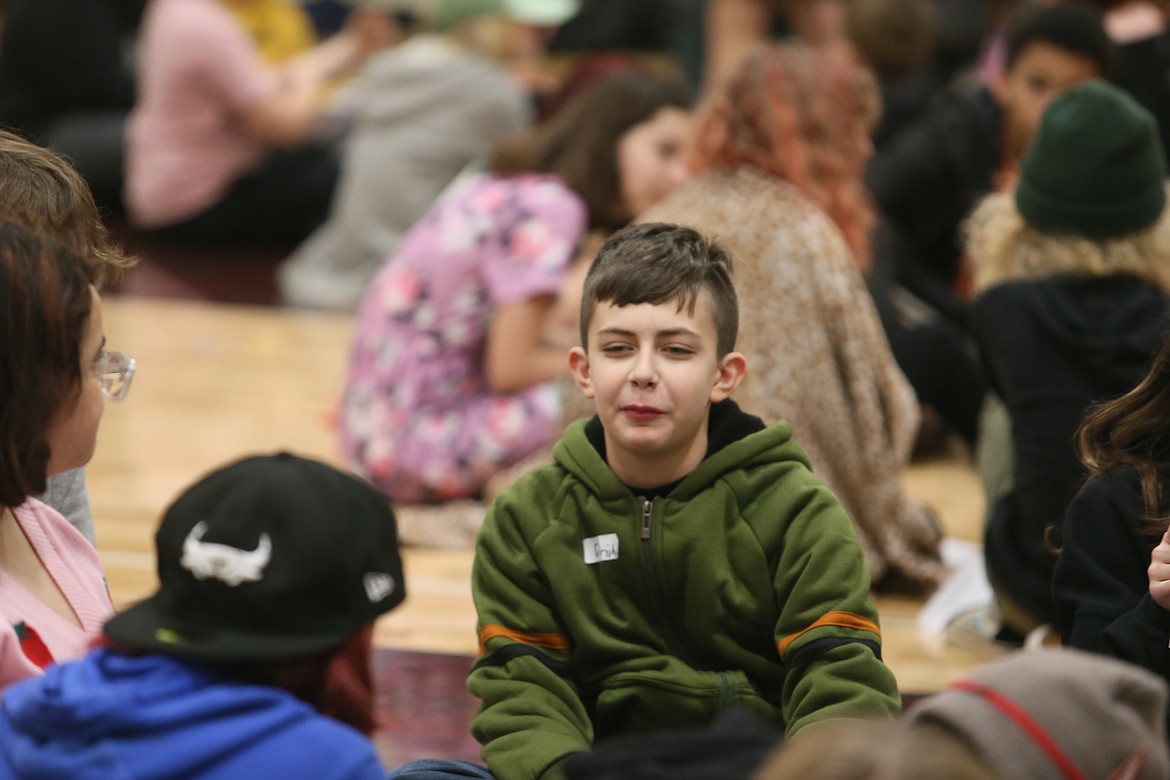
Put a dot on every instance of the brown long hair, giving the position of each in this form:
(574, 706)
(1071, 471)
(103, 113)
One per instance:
(579, 143)
(798, 113)
(45, 302)
(1134, 430)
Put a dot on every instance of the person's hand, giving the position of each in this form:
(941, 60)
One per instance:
(1159, 573)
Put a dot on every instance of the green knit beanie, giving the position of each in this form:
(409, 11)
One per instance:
(1095, 167)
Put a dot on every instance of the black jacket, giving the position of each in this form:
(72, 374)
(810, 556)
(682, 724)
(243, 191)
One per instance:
(1053, 348)
(1100, 585)
(927, 181)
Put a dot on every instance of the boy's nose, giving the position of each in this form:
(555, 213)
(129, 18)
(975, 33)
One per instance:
(644, 374)
(644, 371)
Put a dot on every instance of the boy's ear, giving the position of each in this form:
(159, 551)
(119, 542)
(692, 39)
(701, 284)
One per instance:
(579, 365)
(732, 370)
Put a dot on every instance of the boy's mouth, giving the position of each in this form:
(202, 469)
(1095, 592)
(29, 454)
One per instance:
(641, 413)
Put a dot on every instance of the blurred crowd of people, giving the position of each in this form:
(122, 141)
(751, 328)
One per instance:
(946, 224)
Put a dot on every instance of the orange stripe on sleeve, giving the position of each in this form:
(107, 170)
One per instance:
(840, 619)
(550, 641)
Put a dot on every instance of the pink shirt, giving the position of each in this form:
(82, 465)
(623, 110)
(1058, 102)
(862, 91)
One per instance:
(187, 142)
(73, 564)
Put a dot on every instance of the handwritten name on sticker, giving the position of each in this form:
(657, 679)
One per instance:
(601, 548)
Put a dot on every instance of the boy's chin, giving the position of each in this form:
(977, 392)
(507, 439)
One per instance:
(642, 441)
(634, 438)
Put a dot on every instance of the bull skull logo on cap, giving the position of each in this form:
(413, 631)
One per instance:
(225, 563)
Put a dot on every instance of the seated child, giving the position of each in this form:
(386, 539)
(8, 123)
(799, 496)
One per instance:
(969, 145)
(250, 660)
(44, 194)
(1110, 583)
(678, 557)
(1071, 295)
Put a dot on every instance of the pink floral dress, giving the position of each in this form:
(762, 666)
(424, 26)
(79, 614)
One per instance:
(418, 417)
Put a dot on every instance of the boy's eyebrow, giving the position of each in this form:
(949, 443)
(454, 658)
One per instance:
(669, 333)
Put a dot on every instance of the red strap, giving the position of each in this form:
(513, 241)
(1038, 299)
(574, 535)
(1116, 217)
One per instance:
(1029, 726)
(32, 645)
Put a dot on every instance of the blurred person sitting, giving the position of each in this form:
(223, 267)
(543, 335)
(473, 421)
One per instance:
(221, 145)
(56, 375)
(451, 374)
(252, 659)
(930, 178)
(1072, 294)
(427, 108)
(1111, 584)
(45, 194)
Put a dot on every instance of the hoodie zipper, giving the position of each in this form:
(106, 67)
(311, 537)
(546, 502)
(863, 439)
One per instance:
(658, 593)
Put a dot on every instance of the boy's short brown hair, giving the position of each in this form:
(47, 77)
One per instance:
(43, 193)
(657, 262)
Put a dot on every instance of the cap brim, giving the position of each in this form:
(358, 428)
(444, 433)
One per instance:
(149, 626)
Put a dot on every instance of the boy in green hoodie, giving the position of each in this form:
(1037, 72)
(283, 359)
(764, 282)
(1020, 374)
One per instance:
(678, 557)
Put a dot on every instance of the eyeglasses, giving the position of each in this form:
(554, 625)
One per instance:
(114, 370)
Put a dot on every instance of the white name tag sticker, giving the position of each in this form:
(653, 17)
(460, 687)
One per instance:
(601, 548)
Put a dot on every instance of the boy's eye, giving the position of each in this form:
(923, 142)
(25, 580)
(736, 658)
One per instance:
(615, 349)
(678, 351)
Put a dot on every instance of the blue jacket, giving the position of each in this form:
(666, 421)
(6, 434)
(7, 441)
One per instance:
(116, 717)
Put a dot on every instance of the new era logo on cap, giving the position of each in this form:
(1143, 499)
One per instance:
(378, 586)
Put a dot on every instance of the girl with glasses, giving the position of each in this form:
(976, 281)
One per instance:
(45, 194)
(55, 376)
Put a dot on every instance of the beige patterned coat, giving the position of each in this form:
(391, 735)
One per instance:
(818, 358)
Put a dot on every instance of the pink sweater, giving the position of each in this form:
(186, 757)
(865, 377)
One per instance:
(73, 564)
(187, 141)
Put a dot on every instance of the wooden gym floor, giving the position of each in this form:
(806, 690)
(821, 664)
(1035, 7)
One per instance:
(217, 381)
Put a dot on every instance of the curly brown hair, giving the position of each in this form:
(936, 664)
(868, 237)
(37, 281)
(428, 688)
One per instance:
(802, 114)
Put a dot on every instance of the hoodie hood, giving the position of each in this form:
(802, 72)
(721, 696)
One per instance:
(145, 717)
(1105, 325)
(736, 440)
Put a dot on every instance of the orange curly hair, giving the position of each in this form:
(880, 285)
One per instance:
(803, 114)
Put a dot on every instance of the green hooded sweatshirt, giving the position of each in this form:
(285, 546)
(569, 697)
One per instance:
(603, 612)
